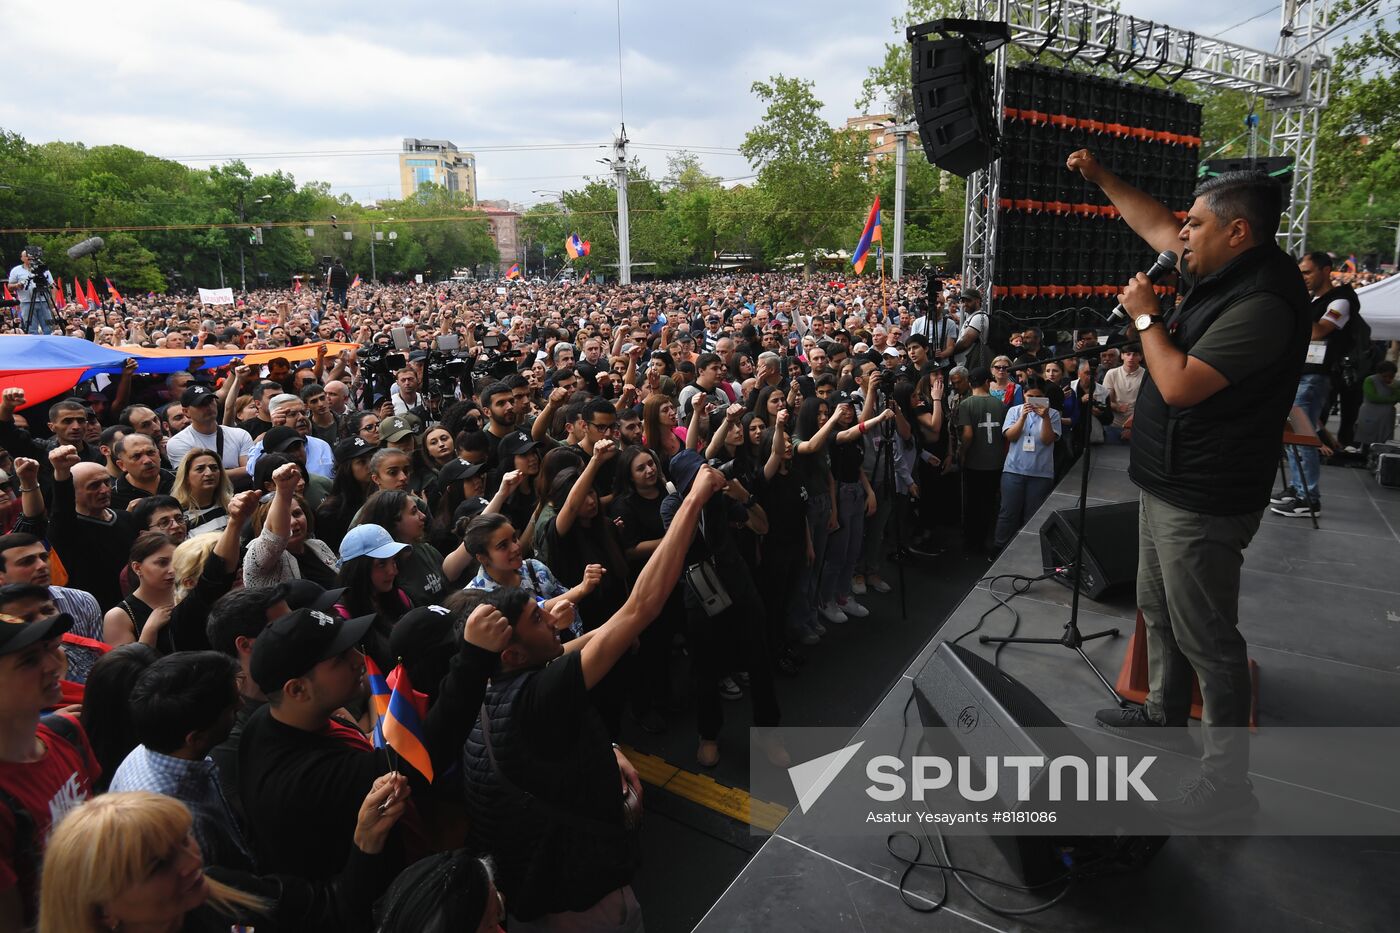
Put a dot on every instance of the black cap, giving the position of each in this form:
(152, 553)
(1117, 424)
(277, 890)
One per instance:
(458, 470)
(196, 394)
(352, 447)
(281, 439)
(17, 634)
(514, 445)
(421, 633)
(297, 642)
(307, 594)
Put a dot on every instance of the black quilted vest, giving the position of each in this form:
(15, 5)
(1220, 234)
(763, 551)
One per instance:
(555, 826)
(1219, 457)
(1337, 341)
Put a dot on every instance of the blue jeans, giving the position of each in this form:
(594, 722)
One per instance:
(1021, 495)
(1312, 395)
(844, 544)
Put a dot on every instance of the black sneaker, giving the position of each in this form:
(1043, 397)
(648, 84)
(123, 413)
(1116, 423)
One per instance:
(1297, 508)
(1280, 498)
(1204, 803)
(1132, 721)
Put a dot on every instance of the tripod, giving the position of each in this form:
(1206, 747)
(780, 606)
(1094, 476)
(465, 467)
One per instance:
(41, 291)
(887, 451)
(1072, 638)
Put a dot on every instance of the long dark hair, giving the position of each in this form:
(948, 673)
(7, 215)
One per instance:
(359, 596)
(760, 402)
(808, 416)
(622, 480)
(106, 715)
(350, 425)
(346, 495)
(385, 509)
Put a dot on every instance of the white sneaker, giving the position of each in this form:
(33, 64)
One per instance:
(853, 609)
(831, 613)
(858, 586)
(877, 584)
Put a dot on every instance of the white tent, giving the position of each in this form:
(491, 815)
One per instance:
(1380, 307)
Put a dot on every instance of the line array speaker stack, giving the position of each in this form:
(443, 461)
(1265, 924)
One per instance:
(1060, 242)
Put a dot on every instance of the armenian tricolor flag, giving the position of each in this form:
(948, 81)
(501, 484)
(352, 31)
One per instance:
(576, 247)
(356, 283)
(586, 274)
(398, 716)
(1350, 264)
(513, 272)
(112, 290)
(871, 234)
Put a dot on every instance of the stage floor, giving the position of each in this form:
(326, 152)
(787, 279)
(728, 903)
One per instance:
(1321, 612)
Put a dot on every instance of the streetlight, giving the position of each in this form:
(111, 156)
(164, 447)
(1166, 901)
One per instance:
(373, 235)
(242, 218)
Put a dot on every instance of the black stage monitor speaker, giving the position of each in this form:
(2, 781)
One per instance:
(953, 105)
(987, 712)
(1110, 547)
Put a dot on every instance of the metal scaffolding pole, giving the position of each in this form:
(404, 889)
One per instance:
(624, 244)
(901, 155)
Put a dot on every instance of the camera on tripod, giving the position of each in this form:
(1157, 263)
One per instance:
(443, 372)
(38, 266)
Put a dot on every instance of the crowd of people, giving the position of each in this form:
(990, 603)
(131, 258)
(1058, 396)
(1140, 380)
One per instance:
(521, 500)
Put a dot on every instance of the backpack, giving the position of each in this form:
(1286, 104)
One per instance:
(1358, 356)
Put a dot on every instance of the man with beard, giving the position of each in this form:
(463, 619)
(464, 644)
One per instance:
(138, 458)
(500, 412)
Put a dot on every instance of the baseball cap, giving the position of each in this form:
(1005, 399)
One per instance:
(308, 594)
(458, 470)
(17, 634)
(891, 351)
(369, 541)
(421, 633)
(281, 439)
(352, 447)
(291, 646)
(395, 428)
(513, 445)
(196, 394)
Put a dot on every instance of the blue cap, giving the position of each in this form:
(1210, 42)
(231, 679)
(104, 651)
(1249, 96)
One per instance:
(369, 541)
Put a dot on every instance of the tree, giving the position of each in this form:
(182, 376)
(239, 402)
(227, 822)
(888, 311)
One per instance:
(815, 178)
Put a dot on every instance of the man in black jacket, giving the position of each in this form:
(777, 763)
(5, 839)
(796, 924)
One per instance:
(303, 771)
(339, 281)
(67, 421)
(1207, 434)
(91, 539)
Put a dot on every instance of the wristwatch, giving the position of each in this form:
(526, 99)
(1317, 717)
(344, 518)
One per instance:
(1144, 321)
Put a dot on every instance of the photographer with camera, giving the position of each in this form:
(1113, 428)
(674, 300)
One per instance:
(31, 282)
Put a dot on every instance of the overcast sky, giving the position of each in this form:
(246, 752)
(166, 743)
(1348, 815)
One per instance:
(285, 85)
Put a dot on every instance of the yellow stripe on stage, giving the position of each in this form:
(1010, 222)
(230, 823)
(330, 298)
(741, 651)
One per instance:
(704, 790)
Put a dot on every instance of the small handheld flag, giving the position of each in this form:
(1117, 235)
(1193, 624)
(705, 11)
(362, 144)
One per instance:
(403, 727)
(112, 290)
(871, 234)
(379, 694)
(513, 272)
(296, 286)
(356, 283)
(1350, 264)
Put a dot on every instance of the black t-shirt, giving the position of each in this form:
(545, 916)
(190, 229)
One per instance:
(256, 427)
(641, 520)
(420, 574)
(570, 554)
(786, 508)
(314, 569)
(846, 460)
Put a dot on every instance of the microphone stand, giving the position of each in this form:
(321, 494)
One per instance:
(1072, 638)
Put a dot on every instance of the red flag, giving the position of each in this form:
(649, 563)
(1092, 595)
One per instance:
(8, 296)
(58, 294)
(296, 286)
(93, 300)
(112, 290)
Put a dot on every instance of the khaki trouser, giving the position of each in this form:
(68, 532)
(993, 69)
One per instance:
(1188, 588)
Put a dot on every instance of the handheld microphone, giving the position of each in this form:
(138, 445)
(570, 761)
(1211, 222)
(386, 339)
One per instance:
(86, 248)
(1166, 262)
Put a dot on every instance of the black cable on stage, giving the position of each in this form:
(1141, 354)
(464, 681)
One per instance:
(1020, 583)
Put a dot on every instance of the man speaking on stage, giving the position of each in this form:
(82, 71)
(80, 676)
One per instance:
(1207, 436)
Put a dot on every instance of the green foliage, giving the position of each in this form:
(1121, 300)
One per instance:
(189, 226)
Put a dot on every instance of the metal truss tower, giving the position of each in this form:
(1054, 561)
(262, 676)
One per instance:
(1293, 81)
